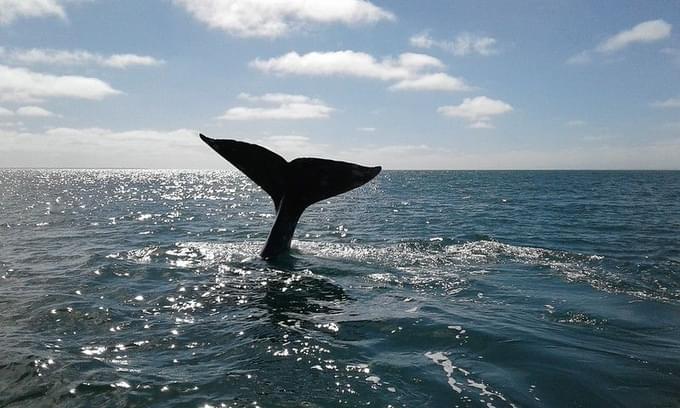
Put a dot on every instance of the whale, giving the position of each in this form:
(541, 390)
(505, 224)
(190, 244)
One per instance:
(293, 186)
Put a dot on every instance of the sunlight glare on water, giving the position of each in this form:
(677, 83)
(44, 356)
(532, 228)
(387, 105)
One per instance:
(493, 289)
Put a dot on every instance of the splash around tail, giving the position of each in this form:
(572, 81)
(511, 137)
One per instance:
(293, 186)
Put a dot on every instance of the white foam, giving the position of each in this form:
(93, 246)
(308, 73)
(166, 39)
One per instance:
(441, 360)
(469, 384)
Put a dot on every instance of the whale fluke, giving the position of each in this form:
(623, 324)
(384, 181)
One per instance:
(293, 186)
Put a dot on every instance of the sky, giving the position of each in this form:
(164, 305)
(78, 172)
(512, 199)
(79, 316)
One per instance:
(427, 84)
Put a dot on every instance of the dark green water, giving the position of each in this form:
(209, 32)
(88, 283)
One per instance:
(421, 289)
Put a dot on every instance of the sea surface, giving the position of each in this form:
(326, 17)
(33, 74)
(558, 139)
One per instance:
(143, 288)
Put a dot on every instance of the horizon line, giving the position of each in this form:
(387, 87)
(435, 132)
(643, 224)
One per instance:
(385, 169)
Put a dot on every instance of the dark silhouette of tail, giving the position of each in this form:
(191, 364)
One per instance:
(293, 186)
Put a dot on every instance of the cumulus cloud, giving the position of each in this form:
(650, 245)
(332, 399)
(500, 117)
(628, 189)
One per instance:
(77, 57)
(276, 98)
(668, 103)
(645, 32)
(270, 19)
(34, 111)
(478, 111)
(20, 84)
(431, 82)
(11, 10)
(285, 106)
(411, 71)
(347, 63)
(31, 111)
(464, 44)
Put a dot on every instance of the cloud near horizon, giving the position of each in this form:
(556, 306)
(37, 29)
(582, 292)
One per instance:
(28, 111)
(286, 106)
(106, 148)
(49, 57)
(411, 71)
(23, 85)
(413, 156)
(669, 103)
(271, 19)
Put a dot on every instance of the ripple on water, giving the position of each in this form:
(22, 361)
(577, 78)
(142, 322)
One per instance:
(144, 288)
(422, 263)
(428, 260)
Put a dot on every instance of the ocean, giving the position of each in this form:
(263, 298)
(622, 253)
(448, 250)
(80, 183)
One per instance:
(143, 288)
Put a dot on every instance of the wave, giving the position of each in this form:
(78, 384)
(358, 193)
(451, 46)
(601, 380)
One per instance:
(421, 262)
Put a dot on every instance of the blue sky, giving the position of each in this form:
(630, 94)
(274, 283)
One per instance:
(405, 84)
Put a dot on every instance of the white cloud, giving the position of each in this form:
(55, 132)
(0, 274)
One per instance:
(478, 111)
(576, 123)
(646, 32)
(277, 98)
(106, 148)
(366, 129)
(287, 111)
(431, 82)
(481, 124)
(463, 44)
(659, 155)
(10, 10)
(20, 84)
(270, 19)
(422, 40)
(668, 103)
(347, 63)
(181, 148)
(286, 107)
(34, 111)
(412, 71)
(31, 111)
(77, 57)
(583, 57)
(128, 60)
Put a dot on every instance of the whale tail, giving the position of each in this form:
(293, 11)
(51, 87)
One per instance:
(293, 186)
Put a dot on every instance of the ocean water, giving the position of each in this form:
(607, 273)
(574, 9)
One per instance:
(142, 288)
